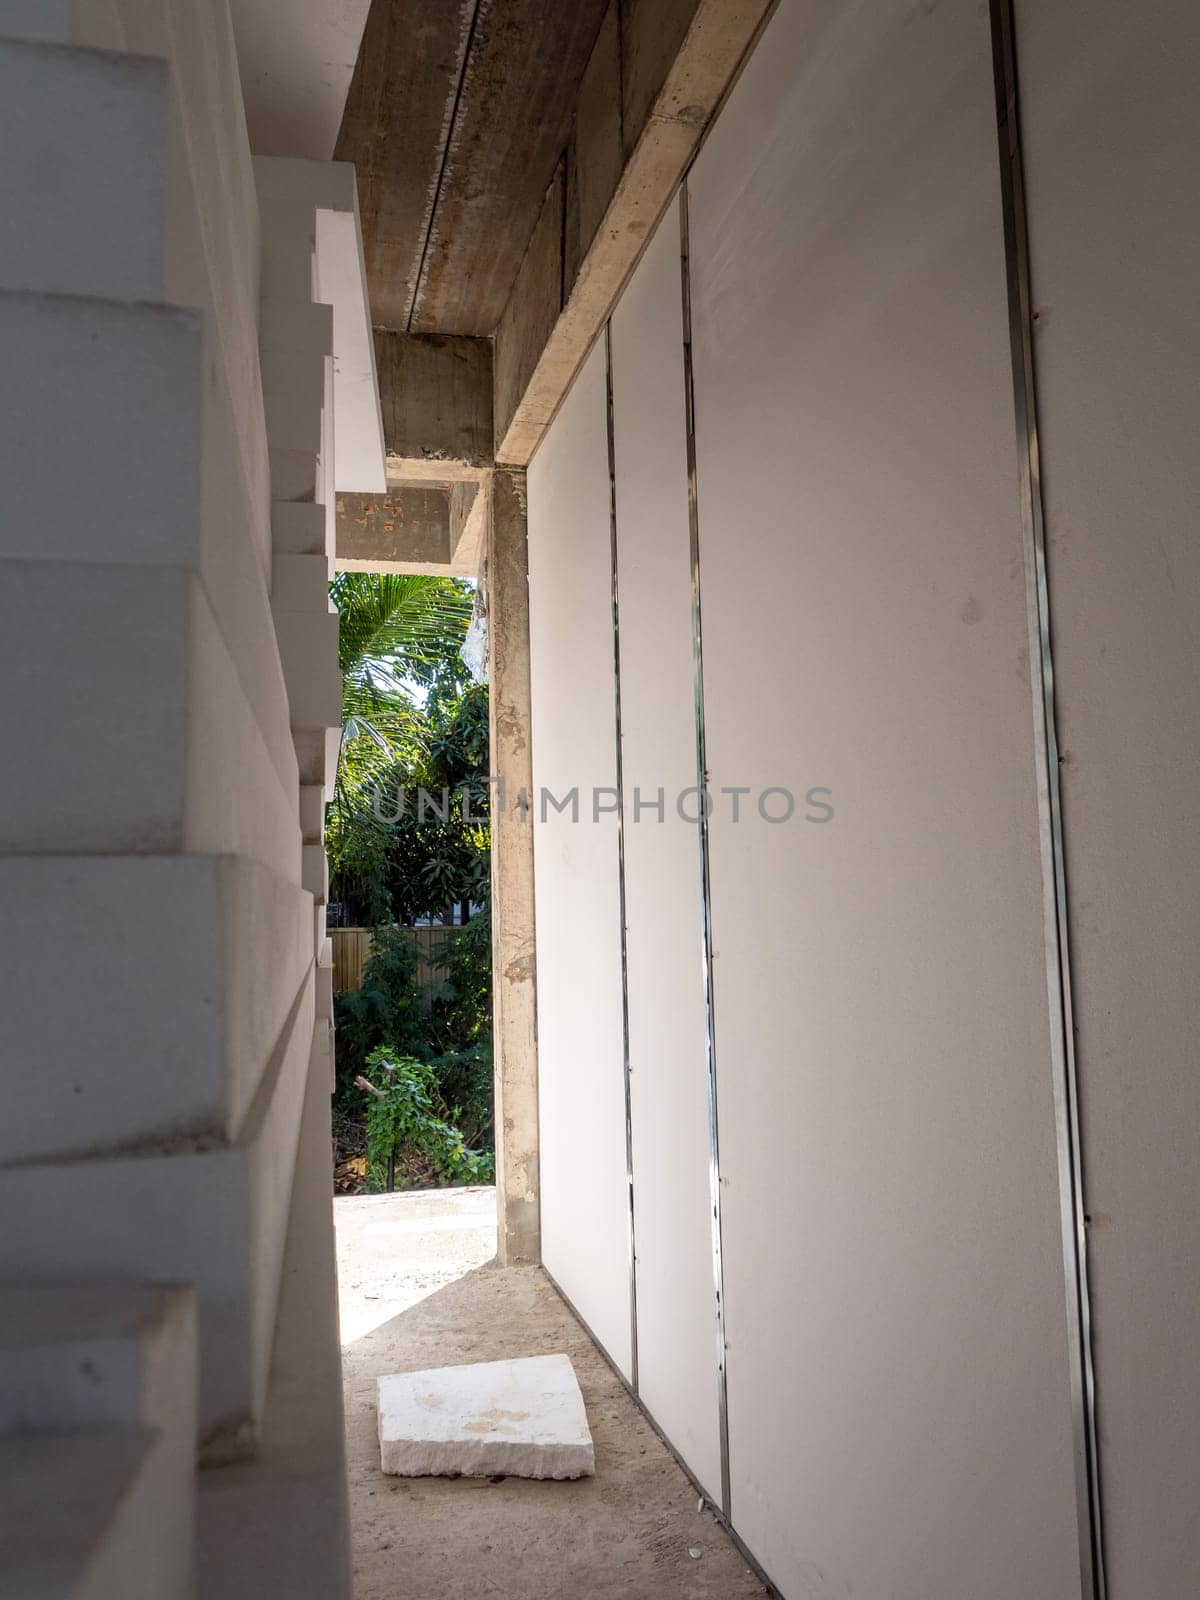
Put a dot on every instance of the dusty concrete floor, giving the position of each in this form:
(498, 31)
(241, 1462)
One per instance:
(418, 1291)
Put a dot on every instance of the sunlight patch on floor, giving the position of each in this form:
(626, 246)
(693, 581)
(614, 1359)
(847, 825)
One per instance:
(394, 1250)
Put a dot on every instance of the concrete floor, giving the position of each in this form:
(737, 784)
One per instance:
(418, 1290)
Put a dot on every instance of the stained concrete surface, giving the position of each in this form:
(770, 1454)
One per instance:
(418, 1290)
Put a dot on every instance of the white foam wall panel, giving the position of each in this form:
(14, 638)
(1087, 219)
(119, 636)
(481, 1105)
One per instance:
(898, 1363)
(1112, 147)
(676, 1303)
(580, 1048)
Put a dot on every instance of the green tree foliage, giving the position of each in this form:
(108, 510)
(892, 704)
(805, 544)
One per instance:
(413, 721)
(405, 1109)
(449, 1028)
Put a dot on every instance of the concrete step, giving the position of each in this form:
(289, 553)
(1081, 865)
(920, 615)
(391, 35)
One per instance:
(213, 1217)
(184, 969)
(84, 196)
(97, 1439)
(81, 1518)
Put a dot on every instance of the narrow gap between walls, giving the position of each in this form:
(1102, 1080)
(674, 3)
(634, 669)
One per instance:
(620, 785)
(702, 776)
(1058, 974)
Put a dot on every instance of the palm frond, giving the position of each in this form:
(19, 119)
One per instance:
(395, 630)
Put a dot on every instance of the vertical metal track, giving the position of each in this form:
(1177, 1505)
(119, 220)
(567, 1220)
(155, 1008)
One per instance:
(714, 1144)
(620, 779)
(1066, 1084)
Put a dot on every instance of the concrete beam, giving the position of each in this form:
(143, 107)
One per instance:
(678, 59)
(398, 117)
(528, 329)
(436, 395)
(513, 946)
(468, 526)
(595, 154)
(423, 527)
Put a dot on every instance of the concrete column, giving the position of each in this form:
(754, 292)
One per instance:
(513, 947)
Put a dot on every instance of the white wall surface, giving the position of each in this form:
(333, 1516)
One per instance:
(898, 1362)
(297, 59)
(1112, 153)
(584, 1186)
(676, 1305)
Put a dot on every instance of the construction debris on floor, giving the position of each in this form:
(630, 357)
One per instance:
(522, 1418)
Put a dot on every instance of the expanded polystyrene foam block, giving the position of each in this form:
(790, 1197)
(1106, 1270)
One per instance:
(183, 969)
(297, 374)
(298, 528)
(236, 568)
(300, 583)
(213, 1216)
(152, 475)
(295, 344)
(289, 192)
(96, 1355)
(323, 1052)
(274, 1527)
(296, 475)
(317, 751)
(177, 761)
(82, 1517)
(100, 430)
(83, 195)
(525, 1418)
(323, 985)
(315, 872)
(48, 21)
(106, 1360)
(241, 794)
(293, 413)
(308, 649)
(116, 781)
(312, 813)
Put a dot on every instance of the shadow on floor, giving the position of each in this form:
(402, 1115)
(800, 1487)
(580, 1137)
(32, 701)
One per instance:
(629, 1531)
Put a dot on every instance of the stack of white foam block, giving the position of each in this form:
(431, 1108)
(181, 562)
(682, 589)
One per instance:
(97, 1441)
(155, 929)
(296, 341)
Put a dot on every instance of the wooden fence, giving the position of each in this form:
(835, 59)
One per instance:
(352, 949)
